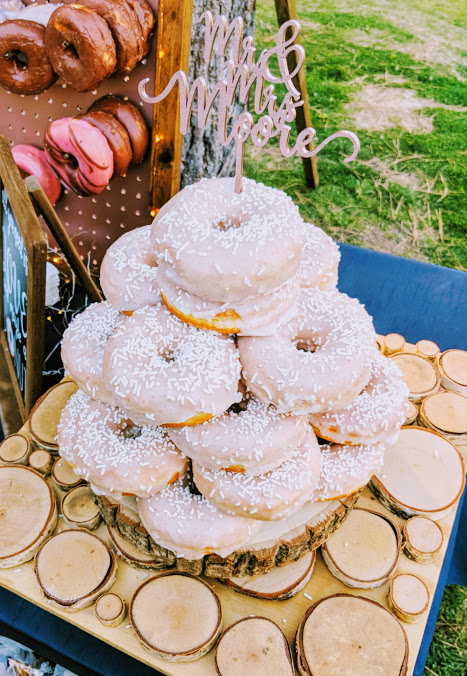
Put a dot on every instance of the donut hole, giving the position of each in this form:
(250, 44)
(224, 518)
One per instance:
(305, 345)
(132, 431)
(228, 222)
(70, 50)
(20, 59)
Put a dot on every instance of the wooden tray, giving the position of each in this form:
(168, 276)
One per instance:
(287, 614)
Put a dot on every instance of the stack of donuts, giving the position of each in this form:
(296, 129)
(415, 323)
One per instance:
(225, 382)
(85, 152)
(82, 42)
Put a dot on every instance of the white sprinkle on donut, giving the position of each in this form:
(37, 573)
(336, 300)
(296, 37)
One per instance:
(129, 271)
(106, 448)
(164, 372)
(83, 347)
(225, 245)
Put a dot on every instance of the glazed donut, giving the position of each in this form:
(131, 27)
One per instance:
(80, 47)
(346, 469)
(253, 316)
(83, 348)
(269, 496)
(146, 20)
(107, 449)
(376, 414)
(186, 523)
(129, 272)
(129, 116)
(320, 260)
(24, 65)
(227, 246)
(33, 162)
(117, 138)
(38, 13)
(125, 29)
(79, 154)
(9, 9)
(164, 372)
(254, 440)
(282, 370)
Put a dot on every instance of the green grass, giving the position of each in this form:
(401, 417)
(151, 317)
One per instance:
(448, 651)
(410, 200)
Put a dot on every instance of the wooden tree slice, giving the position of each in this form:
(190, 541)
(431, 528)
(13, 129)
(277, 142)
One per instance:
(63, 475)
(45, 415)
(280, 583)
(253, 645)
(110, 609)
(393, 343)
(252, 560)
(41, 461)
(359, 634)
(15, 449)
(131, 554)
(79, 508)
(365, 550)
(423, 474)
(408, 597)
(427, 349)
(423, 539)
(419, 374)
(73, 568)
(28, 514)
(412, 413)
(176, 616)
(446, 412)
(452, 366)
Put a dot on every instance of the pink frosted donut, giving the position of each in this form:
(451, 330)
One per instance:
(83, 348)
(164, 372)
(269, 496)
(320, 363)
(107, 449)
(33, 162)
(251, 316)
(376, 414)
(79, 154)
(228, 246)
(345, 469)
(187, 524)
(129, 272)
(320, 260)
(253, 440)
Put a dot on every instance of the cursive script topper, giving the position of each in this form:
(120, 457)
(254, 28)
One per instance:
(244, 75)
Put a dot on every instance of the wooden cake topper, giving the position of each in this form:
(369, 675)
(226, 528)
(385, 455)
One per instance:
(244, 76)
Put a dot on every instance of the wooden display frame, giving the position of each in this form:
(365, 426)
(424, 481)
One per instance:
(36, 250)
(287, 614)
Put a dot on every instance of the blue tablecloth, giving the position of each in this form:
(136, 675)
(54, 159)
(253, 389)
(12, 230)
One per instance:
(414, 299)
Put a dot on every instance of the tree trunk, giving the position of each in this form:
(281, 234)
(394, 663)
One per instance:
(203, 155)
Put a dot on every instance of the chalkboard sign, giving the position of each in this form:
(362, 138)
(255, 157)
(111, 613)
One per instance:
(23, 254)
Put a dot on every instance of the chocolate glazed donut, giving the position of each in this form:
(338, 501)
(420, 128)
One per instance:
(80, 47)
(117, 138)
(24, 65)
(146, 21)
(125, 29)
(128, 115)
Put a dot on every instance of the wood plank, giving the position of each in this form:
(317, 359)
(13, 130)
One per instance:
(66, 245)
(287, 614)
(285, 10)
(173, 49)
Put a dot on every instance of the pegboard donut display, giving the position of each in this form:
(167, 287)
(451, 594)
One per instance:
(93, 222)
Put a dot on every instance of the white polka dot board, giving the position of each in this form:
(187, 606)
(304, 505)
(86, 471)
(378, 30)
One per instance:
(287, 614)
(93, 223)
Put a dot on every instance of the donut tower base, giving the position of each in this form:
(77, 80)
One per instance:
(287, 614)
